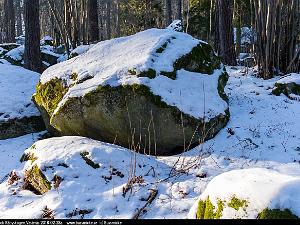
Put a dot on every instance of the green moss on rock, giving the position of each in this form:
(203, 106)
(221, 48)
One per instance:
(286, 89)
(276, 214)
(151, 73)
(35, 181)
(163, 47)
(74, 76)
(200, 60)
(27, 157)
(50, 94)
(206, 210)
(236, 203)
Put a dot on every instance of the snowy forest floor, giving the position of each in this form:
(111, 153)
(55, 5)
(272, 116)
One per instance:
(263, 132)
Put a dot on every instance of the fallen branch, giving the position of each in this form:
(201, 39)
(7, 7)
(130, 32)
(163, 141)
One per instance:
(151, 198)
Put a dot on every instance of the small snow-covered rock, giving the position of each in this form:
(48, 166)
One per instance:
(288, 85)
(176, 25)
(248, 193)
(18, 114)
(80, 50)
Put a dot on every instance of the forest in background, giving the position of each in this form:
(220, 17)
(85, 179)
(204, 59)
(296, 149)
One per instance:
(273, 26)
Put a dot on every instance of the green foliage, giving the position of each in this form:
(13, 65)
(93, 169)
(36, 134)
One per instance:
(199, 19)
(236, 203)
(138, 15)
(276, 214)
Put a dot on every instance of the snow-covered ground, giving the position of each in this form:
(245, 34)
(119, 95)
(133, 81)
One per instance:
(11, 151)
(16, 88)
(263, 132)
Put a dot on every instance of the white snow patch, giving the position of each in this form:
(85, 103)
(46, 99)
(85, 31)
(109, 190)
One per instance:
(16, 88)
(17, 53)
(290, 78)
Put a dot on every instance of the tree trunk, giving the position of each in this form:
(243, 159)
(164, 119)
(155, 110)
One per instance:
(108, 19)
(93, 25)
(179, 10)
(168, 12)
(32, 54)
(19, 18)
(9, 16)
(225, 32)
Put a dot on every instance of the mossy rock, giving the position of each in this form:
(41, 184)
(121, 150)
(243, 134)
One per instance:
(35, 181)
(13, 61)
(9, 46)
(276, 214)
(123, 113)
(131, 115)
(49, 58)
(201, 60)
(286, 89)
(21, 126)
(73, 55)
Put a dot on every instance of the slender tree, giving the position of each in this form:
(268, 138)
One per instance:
(9, 17)
(32, 54)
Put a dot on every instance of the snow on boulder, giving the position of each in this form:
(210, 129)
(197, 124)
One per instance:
(2, 51)
(155, 91)
(16, 56)
(80, 50)
(249, 193)
(176, 25)
(77, 177)
(9, 46)
(47, 40)
(18, 114)
(289, 85)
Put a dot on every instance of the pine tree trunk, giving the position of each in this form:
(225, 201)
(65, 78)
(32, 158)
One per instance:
(179, 10)
(168, 12)
(32, 54)
(93, 25)
(9, 16)
(108, 22)
(225, 30)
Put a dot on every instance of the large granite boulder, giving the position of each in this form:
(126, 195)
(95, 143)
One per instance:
(156, 92)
